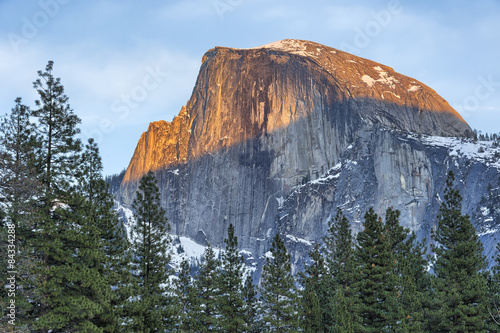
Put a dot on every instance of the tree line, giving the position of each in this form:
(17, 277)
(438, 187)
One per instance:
(69, 266)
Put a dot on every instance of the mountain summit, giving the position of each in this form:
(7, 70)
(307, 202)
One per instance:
(242, 94)
(274, 138)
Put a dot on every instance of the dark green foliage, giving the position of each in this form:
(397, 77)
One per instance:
(185, 299)
(19, 191)
(409, 276)
(231, 301)
(56, 134)
(207, 290)
(19, 186)
(315, 300)
(374, 277)
(341, 311)
(252, 308)
(150, 259)
(460, 285)
(70, 286)
(278, 292)
(115, 266)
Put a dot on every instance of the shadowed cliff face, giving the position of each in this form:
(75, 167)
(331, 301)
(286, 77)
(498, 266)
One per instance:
(261, 122)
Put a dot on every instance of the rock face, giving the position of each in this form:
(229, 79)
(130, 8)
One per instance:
(274, 138)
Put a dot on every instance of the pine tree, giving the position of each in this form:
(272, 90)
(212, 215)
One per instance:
(278, 292)
(19, 191)
(341, 310)
(115, 265)
(19, 186)
(185, 299)
(409, 275)
(314, 283)
(460, 285)
(231, 302)
(207, 290)
(150, 258)
(57, 130)
(69, 286)
(374, 280)
(251, 310)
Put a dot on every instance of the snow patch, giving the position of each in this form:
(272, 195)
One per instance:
(298, 240)
(481, 151)
(414, 88)
(368, 80)
(487, 232)
(288, 45)
(484, 211)
(384, 78)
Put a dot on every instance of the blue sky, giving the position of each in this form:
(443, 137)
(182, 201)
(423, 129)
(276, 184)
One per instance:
(127, 63)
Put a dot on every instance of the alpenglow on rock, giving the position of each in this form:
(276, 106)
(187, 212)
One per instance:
(274, 138)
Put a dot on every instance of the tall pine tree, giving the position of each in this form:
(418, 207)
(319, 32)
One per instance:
(252, 308)
(313, 301)
(278, 291)
(68, 282)
(409, 277)
(19, 191)
(185, 299)
(460, 285)
(341, 312)
(57, 129)
(231, 303)
(114, 247)
(207, 289)
(374, 277)
(151, 241)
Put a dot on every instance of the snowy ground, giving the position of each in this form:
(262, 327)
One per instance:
(181, 247)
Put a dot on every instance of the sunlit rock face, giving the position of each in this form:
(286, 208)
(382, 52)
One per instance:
(274, 138)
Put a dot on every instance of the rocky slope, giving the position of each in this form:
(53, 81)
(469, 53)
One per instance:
(274, 138)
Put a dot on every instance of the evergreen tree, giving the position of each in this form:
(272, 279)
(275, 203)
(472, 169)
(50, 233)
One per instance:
(409, 276)
(231, 303)
(19, 186)
(251, 310)
(460, 285)
(185, 299)
(69, 286)
(314, 284)
(19, 191)
(115, 266)
(341, 310)
(150, 259)
(278, 292)
(374, 281)
(207, 290)
(57, 129)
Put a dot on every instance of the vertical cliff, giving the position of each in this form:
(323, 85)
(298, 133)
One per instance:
(274, 138)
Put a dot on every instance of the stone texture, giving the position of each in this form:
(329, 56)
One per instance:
(275, 138)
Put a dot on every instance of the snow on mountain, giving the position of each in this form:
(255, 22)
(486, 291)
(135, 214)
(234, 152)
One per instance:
(481, 151)
(182, 248)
